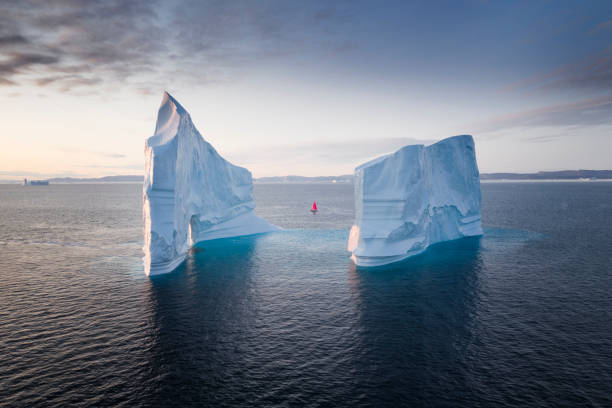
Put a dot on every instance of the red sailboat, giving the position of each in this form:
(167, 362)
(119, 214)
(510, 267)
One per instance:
(314, 207)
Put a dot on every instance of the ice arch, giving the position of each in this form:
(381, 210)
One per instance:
(190, 192)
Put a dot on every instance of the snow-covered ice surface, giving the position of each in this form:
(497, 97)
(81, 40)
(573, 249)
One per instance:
(190, 192)
(415, 197)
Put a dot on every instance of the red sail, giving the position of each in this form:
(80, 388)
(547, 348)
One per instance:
(314, 206)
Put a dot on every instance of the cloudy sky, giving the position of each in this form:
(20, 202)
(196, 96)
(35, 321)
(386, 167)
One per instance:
(309, 87)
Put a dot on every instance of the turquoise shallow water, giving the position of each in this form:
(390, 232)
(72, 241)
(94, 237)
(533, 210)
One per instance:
(521, 316)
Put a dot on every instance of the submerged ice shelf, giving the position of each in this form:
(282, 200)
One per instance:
(415, 197)
(190, 192)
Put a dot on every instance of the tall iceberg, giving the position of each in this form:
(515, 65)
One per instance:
(415, 197)
(190, 192)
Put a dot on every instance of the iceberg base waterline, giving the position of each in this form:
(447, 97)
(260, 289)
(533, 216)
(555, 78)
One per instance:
(152, 269)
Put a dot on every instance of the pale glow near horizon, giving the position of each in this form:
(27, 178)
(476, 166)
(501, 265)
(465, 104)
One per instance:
(345, 89)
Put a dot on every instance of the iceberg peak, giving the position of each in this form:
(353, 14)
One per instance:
(190, 192)
(168, 118)
(169, 99)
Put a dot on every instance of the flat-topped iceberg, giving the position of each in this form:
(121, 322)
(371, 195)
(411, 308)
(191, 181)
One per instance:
(190, 192)
(415, 197)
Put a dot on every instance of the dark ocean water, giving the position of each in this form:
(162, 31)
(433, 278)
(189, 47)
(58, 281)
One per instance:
(519, 317)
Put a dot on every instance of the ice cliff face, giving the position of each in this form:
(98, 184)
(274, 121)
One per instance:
(190, 192)
(413, 198)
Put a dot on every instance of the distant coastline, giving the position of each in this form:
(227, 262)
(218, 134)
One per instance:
(561, 175)
(551, 175)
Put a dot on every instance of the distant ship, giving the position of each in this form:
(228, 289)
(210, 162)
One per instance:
(35, 182)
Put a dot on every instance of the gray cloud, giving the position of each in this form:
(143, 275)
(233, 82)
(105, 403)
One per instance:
(71, 44)
(17, 61)
(114, 155)
(591, 73)
(587, 112)
(545, 138)
(601, 26)
(86, 43)
(13, 39)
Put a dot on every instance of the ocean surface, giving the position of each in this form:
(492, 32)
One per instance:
(519, 317)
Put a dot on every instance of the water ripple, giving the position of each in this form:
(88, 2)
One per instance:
(521, 317)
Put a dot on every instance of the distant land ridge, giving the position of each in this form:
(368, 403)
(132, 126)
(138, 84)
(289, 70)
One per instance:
(106, 179)
(550, 175)
(348, 178)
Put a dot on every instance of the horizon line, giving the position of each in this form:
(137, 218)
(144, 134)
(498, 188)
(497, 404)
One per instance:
(19, 179)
